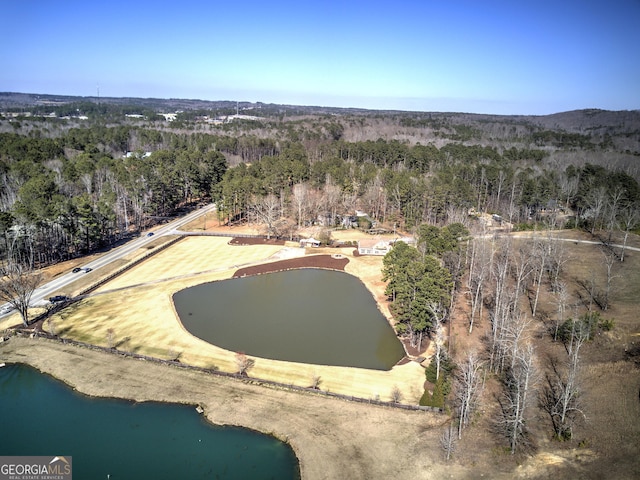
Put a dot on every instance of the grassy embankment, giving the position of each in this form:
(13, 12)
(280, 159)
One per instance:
(135, 313)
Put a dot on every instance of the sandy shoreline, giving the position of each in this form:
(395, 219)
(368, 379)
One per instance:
(331, 438)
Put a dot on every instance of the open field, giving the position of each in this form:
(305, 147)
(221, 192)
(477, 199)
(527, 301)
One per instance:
(135, 313)
(335, 439)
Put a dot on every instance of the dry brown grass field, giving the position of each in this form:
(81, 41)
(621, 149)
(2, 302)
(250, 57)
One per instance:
(135, 313)
(333, 438)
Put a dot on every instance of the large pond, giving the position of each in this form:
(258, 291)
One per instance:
(312, 316)
(116, 439)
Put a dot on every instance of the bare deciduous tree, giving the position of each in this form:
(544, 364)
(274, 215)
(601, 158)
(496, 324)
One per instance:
(521, 268)
(596, 201)
(17, 284)
(540, 254)
(448, 441)
(300, 201)
(266, 211)
(569, 187)
(439, 335)
(479, 268)
(244, 363)
(629, 218)
(516, 399)
(468, 383)
(609, 261)
(562, 297)
(374, 199)
(332, 195)
(560, 397)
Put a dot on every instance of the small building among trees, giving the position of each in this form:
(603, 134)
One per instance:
(309, 242)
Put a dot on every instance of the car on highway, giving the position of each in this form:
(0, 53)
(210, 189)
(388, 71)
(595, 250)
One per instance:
(150, 234)
(58, 298)
(82, 269)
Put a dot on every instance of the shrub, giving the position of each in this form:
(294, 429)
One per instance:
(364, 223)
(606, 325)
(589, 323)
(523, 227)
(396, 394)
(437, 398)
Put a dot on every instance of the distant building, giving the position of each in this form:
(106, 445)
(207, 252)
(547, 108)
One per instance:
(373, 246)
(309, 242)
(136, 154)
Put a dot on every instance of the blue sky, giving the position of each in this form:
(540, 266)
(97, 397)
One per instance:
(503, 57)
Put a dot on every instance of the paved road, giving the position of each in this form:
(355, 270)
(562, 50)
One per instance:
(42, 293)
(572, 240)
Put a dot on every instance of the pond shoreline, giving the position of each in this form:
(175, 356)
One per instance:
(328, 262)
(316, 427)
(314, 316)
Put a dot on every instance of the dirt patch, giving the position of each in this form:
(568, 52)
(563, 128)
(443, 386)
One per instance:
(256, 241)
(310, 261)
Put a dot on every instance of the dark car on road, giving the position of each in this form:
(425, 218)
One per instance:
(58, 298)
(76, 270)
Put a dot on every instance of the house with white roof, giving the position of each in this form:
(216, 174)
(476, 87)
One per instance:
(374, 246)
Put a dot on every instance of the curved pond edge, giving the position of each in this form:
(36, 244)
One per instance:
(362, 360)
(212, 371)
(202, 410)
(68, 360)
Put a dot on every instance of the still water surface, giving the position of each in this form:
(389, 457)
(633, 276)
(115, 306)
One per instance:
(126, 440)
(309, 315)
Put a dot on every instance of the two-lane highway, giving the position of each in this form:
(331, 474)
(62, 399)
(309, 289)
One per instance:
(42, 293)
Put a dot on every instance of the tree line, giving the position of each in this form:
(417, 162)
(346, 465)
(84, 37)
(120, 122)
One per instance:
(67, 191)
(64, 197)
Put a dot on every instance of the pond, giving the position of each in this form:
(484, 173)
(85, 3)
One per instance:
(118, 439)
(313, 316)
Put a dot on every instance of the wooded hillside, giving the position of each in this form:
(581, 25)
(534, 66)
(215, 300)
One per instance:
(77, 174)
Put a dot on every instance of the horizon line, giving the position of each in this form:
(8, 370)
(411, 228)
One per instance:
(97, 99)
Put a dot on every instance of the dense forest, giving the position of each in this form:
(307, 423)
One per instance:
(80, 174)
